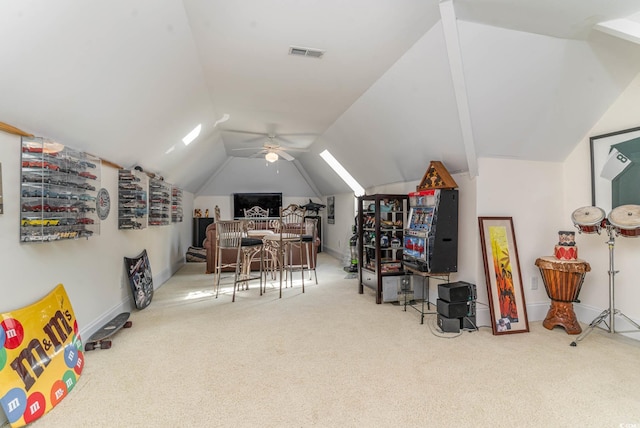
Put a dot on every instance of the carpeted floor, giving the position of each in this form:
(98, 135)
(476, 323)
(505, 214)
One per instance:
(333, 358)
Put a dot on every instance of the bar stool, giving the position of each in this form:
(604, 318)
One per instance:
(291, 230)
(231, 234)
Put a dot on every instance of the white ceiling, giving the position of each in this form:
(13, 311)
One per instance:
(127, 79)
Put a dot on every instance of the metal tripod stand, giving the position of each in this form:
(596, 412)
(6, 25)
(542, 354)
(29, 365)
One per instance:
(611, 312)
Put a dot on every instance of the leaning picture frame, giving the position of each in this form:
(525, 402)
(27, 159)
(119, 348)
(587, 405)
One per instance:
(331, 209)
(507, 305)
(615, 168)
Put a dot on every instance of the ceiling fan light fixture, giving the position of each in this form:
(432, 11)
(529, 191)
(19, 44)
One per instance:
(271, 157)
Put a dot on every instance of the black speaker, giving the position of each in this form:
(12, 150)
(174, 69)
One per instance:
(444, 257)
(451, 309)
(460, 291)
(449, 325)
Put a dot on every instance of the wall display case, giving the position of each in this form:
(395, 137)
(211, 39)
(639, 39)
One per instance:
(132, 199)
(159, 202)
(58, 192)
(431, 237)
(381, 222)
(176, 205)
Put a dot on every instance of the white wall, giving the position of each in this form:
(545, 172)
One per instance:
(531, 193)
(592, 248)
(92, 270)
(337, 235)
(256, 175)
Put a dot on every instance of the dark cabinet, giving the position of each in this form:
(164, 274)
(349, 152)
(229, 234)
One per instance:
(200, 230)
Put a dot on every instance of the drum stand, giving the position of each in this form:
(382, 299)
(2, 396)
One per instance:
(611, 312)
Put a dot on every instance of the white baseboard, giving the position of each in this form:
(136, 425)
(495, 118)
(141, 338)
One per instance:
(127, 305)
(586, 314)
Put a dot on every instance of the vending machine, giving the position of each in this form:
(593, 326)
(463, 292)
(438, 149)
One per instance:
(431, 238)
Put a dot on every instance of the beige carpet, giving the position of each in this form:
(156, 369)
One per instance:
(333, 358)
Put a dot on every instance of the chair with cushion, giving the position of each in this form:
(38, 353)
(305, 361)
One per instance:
(291, 232)
(231, 234)
(258, 225)
(257, 217)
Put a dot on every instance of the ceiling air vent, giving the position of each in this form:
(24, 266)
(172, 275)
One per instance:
(310, 52)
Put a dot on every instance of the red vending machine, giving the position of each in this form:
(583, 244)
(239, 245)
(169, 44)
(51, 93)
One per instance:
(431, 238)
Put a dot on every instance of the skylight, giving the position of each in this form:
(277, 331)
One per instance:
(188, 139)
(343, 173)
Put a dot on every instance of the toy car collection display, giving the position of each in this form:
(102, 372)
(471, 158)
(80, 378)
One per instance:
(159, 202)
(57, 192)
(132, 199)
(176, 205)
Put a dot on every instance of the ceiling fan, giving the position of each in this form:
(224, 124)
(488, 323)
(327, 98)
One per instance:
(272, 150)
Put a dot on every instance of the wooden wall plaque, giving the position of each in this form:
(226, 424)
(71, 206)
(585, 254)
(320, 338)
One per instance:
(437, 177)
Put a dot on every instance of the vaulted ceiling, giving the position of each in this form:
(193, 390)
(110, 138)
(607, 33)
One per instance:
(400, 82)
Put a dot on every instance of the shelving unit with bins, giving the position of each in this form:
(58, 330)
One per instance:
(381, 220)
(159, 202)
(132, 199)
(58, 192)
(176, 205)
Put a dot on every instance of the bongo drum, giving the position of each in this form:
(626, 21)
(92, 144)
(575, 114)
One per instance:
(588, 219)
(563, 280)
(625, 220)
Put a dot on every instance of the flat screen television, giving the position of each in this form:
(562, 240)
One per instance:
(270, 201)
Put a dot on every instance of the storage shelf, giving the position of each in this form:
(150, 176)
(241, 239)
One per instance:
(380, 245)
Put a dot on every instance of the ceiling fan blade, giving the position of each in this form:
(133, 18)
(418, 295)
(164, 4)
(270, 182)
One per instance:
(254, 140)
(246, 148)
(293, 149)
(291, 143)
(284, 155)
(238, 131)
(298, 134)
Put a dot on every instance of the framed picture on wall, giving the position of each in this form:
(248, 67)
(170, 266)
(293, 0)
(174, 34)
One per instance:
(331, 209)
(507, 306)
(615, 169)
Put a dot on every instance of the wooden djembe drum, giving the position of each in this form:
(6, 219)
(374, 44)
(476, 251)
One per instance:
(562, 280)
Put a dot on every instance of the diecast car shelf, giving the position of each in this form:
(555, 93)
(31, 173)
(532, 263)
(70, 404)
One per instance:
(58, 192)
(176, 205)
(132, 199)
(159, 202)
